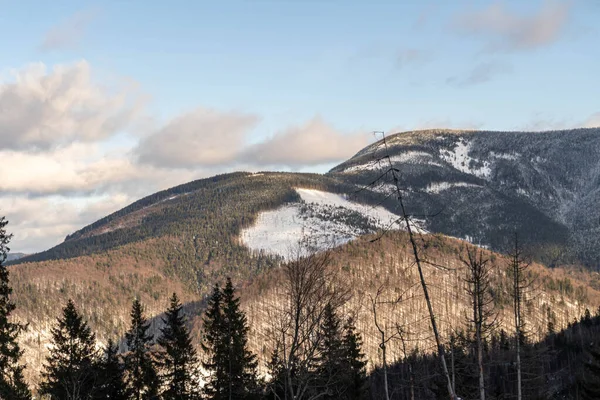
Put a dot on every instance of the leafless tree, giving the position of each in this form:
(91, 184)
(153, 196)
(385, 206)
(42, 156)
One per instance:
(308, 286)
(483, 318)
(405, 221)
(520, 283)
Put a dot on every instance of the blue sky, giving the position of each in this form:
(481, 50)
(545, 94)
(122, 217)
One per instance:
(160, 84)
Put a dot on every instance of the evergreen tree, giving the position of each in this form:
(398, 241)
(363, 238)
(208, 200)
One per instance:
(12, 384)
(111, 374)
(141, 378)
(354, 362)
(232, 365)
(179, 361)
(70, 372)
(275, 388)
(332, 375)
(590, 380)
(212, 346)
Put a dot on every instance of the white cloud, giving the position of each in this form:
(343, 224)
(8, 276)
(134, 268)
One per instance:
(41, 108)
(593, 121)
(313, 143)
(197, 139)
(507, 30)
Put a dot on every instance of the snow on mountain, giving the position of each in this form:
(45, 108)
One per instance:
(321, 220)
(459, 158)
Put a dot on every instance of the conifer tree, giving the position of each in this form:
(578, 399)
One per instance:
(12, 383)
(355, 363)
(212, 346)
(179, 360)
(70, 372)
(333, 376)
(141, 378)
(232, 365)
(111, 374)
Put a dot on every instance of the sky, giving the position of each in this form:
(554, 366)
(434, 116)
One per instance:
(102, 103)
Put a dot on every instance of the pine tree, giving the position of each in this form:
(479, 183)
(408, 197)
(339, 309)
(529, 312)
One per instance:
(333, 376)
(212, 346)
(179, 360)
(12, 383)
(141, 378)
(232, 365)
(70, 372)
(111, 374)
(354, 362)
(590, 380)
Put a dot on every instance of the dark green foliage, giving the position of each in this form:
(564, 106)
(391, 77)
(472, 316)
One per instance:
(12, 384)
(112, 385)
(232, 366)
(70, 372)
(333, 379)
(354, 362)
(178, 359)
(340, 364)
(141, 378)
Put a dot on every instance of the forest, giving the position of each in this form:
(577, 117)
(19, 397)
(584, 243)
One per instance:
(317, 353)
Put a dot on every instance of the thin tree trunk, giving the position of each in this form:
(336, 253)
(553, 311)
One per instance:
(436, 334)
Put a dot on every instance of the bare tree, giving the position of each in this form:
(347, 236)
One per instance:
(483, 318)
(520, 282)
(405, 220)
(308, 287)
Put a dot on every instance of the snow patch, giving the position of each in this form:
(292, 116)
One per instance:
(438, 187)
(412, 157)
(322, 220)
(459, 158)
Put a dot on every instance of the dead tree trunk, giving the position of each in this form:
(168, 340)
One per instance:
(406, 221)
(478, 283)
(520, 283)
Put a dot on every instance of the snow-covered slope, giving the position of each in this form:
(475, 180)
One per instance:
(320, 220)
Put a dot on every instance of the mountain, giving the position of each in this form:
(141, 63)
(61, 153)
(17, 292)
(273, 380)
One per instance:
(483, 185)
(479, 186)
(15, 256)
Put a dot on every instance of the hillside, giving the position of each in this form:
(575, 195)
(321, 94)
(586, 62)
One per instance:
(481, 186)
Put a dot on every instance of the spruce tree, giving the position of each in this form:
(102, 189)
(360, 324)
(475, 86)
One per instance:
(179, 360)
(70, 372)
(212, 343)
(12, 383)
(112, 385)
(354, 363)
(231, 365)
(332, 376)
(141, 378)
(241, 363)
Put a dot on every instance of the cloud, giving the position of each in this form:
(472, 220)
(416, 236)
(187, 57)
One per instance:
(197, 139)
(408, 57)
(508, 30)
(593, 121)
(41, 109)
(69, 32)
(482, 73)
(313, 143)
(40, 223)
